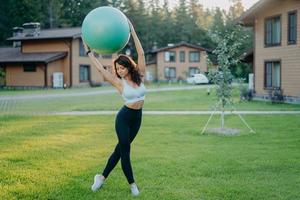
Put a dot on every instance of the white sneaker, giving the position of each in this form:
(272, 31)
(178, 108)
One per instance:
(134, 189)
(98, 182)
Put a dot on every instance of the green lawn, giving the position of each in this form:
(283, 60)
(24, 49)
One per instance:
(168, 100)
(56, 157)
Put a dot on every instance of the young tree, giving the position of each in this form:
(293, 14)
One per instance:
(227, 53)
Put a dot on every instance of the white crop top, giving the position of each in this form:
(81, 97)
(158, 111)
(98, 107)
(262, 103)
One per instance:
(131, 94)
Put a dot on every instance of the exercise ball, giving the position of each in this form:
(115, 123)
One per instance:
(105, 30)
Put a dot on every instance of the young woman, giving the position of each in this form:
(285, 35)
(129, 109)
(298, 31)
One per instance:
(128, 80)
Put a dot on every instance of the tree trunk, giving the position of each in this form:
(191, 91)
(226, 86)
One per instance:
(222, 119)
(50, 11)
(222, 116)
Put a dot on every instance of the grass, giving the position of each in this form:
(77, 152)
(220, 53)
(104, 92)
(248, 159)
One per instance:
(167, 100)
(56, 157)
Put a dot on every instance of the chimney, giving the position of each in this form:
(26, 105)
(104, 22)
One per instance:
(17, 32)
(170, 44)
(31, 29)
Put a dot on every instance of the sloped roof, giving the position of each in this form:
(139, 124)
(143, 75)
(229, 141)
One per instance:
(248, 17)
(57, 33)
(178, 45)
(14, 55)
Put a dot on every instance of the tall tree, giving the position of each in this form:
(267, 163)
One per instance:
(4, 23)
(183, 23)
(208, 18)
(197, 13)
(11, 17)
(154, 23)
(52, 15)
(167, 25)
(136, 13)
(74, 11)
(197, 31)
(235, 10)
(218, 23)
(140, 23)
(104, 3)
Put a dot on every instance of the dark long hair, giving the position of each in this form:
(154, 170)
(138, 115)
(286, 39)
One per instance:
(131, 66)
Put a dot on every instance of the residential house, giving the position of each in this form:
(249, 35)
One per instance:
(38, 54)
(276, 52)
(176, 62)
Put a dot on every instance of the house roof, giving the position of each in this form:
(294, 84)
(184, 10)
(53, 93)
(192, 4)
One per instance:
(58, 33)
(14, 55)
(248, 17)
(178, 45)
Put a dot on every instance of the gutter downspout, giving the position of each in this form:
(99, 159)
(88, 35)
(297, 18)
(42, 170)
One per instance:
(69, 44)
(71, 64)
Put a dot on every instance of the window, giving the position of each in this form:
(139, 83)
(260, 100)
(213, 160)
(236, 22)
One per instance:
(81, 49)
(170, 72)
(194, 56)
(272, 74)
(170, 56)
(193, 70)
(272, 31)
(29, 67)
(182, 56)
(292, 27)
(84, 73)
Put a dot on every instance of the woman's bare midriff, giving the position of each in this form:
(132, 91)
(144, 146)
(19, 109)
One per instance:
(136, 105)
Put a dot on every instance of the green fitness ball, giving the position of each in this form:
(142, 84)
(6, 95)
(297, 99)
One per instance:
(105, 30)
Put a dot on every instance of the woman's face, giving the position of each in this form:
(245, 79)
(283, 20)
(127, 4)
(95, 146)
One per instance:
(121, 70)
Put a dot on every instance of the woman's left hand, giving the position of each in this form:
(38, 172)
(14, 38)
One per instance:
(86, 47)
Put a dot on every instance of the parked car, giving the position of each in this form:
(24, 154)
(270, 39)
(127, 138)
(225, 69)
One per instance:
(197, 79)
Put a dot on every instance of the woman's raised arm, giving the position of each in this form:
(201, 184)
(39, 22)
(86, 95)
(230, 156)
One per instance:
(114, 80)
(140, 51)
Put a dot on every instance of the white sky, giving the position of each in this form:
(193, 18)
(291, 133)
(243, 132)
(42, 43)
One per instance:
(224, 4)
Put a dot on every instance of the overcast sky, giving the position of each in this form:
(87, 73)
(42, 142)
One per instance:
(224, 4)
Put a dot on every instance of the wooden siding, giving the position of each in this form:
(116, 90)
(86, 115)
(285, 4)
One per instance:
(77, 60)
(15, 76)
(289, 55)
(37, 46)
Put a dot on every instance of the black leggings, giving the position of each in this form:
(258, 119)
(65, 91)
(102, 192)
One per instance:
(128, 122)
